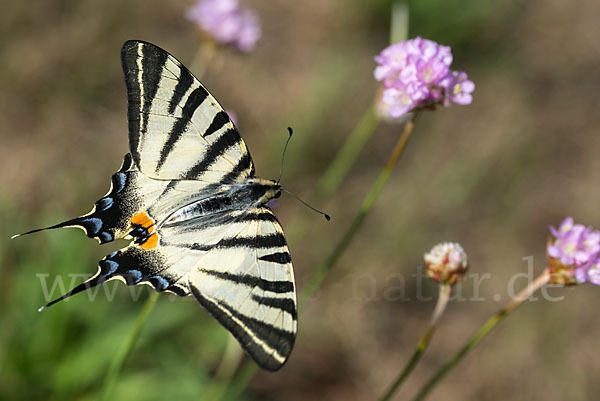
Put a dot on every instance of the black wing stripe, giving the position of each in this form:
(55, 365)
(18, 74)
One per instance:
(183, 84)
(251, 333)
(257, 241)
(243, 164)
(279, 287)
(194, 100)
(285, 304)
(131, 70)
(277, 257)
(153, 63)
(261, 241)
(226, 141)
(256, 217)
(220, 119)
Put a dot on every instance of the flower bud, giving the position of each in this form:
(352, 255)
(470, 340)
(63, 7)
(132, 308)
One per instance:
(446, 263)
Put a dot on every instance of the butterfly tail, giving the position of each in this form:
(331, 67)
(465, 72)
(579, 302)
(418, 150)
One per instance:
(93, 281)
(111, 214)
(83, 222)
(108, 268)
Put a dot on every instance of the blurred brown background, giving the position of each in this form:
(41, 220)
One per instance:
(492, 176)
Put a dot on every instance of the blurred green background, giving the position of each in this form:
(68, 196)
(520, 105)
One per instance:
(492, 176)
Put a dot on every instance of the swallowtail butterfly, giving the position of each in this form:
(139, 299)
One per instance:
(187, 196)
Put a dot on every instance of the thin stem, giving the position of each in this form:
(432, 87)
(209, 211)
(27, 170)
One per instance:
(319, 275)
(338, 169)
(444, 296)
(346, 157)
(203, 57)
(125, 350)
(244, 377)
(482, 332)
(227, 367)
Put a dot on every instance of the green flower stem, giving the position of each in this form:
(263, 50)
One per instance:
(244, 377)
(224, 373)
(444, 296)
(338, 169)
(125, 350)
(318, 276)
(344, 160)
(482, 332)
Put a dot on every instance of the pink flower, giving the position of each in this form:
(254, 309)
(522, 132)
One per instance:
(416, 73)
(574, 254)
(226, 22)
(589, 272)
(459, 88)
(574, 244)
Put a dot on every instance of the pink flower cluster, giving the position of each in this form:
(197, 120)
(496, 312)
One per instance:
(417, 73)
(577, 247)
(227, 22)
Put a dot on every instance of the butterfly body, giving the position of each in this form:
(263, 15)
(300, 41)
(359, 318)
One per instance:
(252, 192)
(188, 197)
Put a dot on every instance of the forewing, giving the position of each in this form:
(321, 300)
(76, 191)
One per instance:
(177, 130)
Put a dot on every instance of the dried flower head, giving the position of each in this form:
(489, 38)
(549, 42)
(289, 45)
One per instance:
(226, 22)
(446, 263)
(573, 254)
(416, 73)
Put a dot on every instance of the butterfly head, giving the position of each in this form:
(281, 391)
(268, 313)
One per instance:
(265, 190)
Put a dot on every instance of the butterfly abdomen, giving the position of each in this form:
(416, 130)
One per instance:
(248, 194)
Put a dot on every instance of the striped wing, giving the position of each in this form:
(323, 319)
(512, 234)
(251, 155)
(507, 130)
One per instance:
(246, 282)
(237, 266)
(130, 193)
(177, 130)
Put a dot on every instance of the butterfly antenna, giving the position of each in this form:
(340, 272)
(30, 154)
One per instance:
(283, 156)
(327, 217)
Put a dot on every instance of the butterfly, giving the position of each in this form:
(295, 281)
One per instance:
(188, 198)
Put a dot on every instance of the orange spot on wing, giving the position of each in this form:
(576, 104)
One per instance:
(140, 219)
(151, 242)
(143, 220)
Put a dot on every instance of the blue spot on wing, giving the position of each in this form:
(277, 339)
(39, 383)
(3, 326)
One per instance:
(136, 275)
(159, 282)
(104, 203)
(105, 237)
(111, 266)
(119, 180)
(92, 225)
